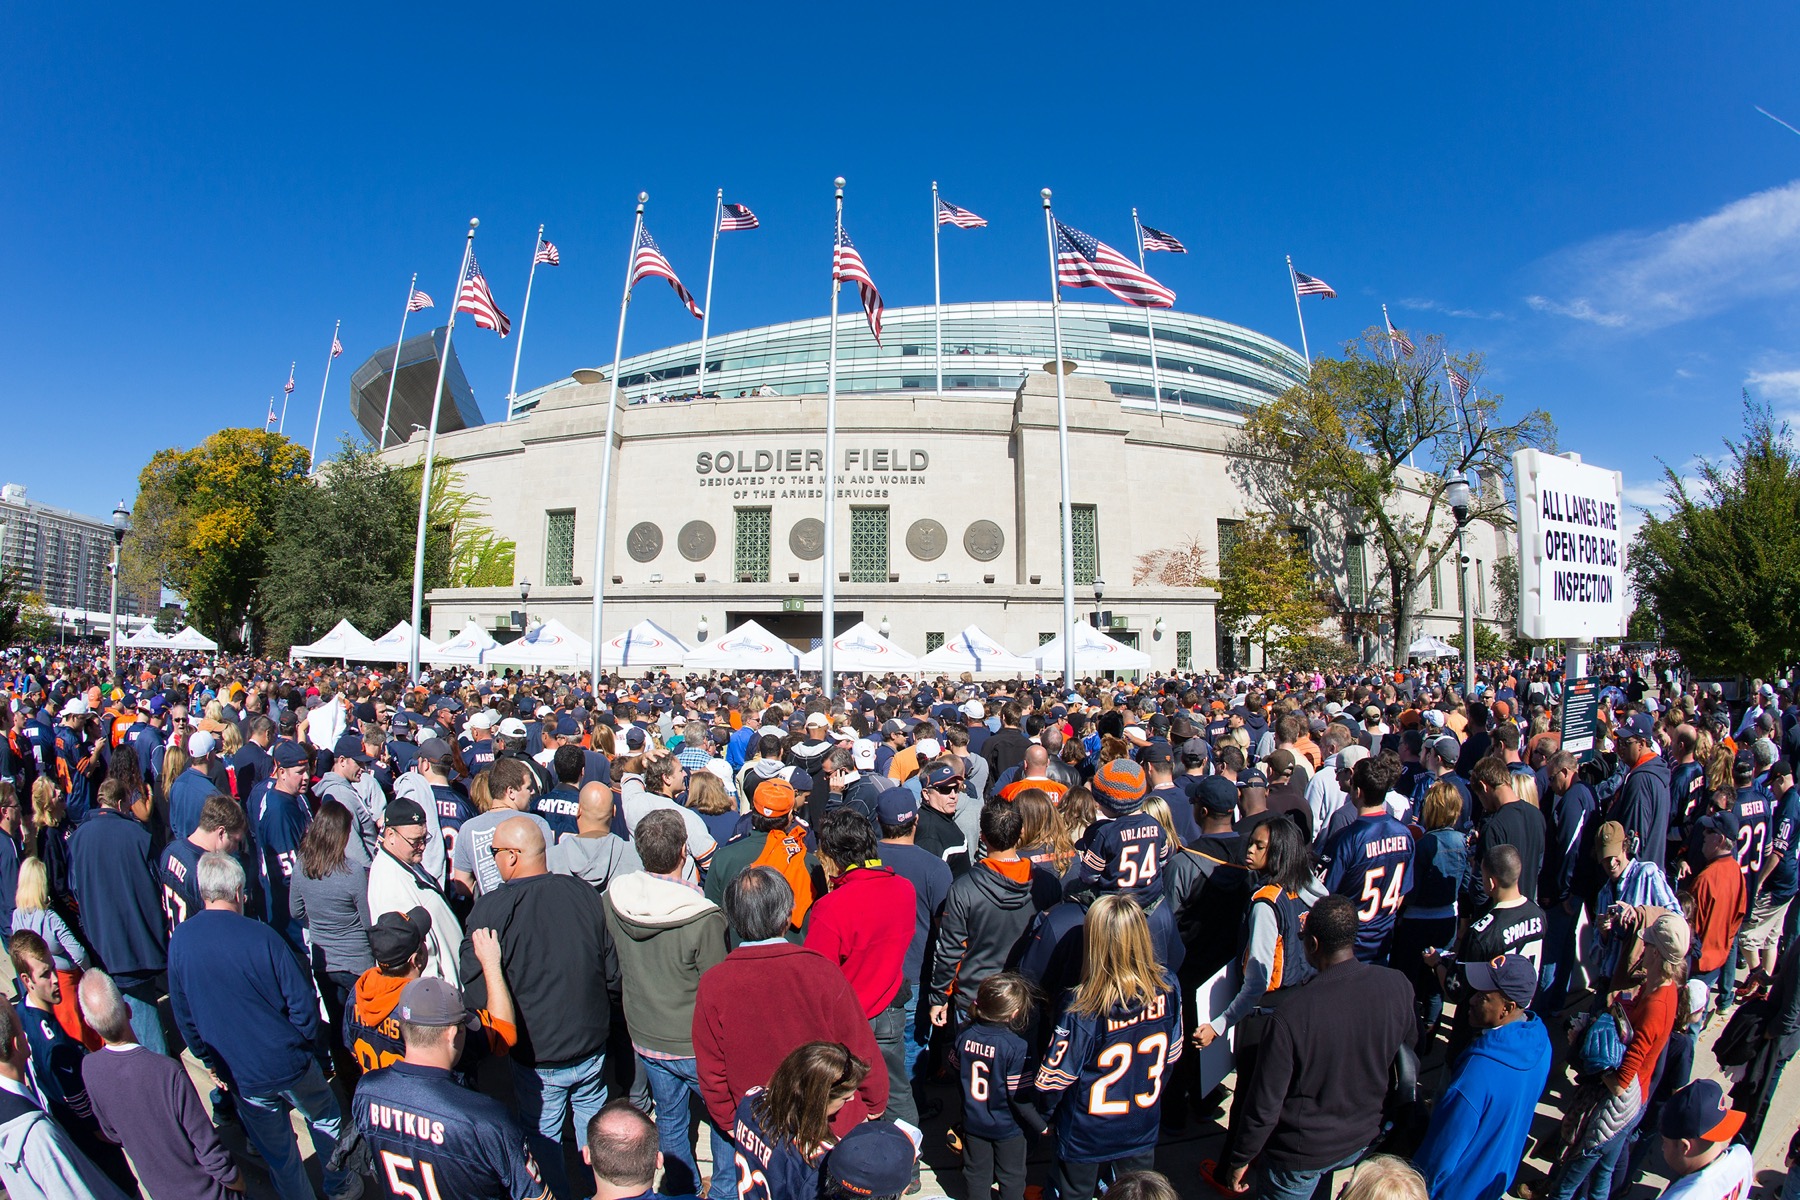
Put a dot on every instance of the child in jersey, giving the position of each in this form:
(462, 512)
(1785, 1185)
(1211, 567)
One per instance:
(1114, 1047)
(991, 1065)
(783, 1131)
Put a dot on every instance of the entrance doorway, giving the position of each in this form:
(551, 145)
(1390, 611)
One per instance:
(800, 630)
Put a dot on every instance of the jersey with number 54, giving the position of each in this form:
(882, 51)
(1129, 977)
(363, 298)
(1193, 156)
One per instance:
(1371, 862)
(1109, 1073)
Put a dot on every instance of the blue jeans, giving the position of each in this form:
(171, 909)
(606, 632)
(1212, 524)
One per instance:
(917, 1041)
(1559, 961)
(1301, 1185)
(267, 1124)
(1590, 1172)
(545, 1097)
(675, 1082)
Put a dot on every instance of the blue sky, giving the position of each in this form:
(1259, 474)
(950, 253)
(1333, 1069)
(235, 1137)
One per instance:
(193, 195)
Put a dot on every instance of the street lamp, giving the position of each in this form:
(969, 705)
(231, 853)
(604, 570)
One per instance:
(1458, 496)
(1099, 594)
(121, 525)
(524, 595)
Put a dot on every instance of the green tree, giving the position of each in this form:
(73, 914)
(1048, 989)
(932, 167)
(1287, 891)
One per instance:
(34, 620)
(14, 605)
(1267, 591)
(1722, 569)
(1642, 626)
(1489, 643)
(202, 523)
(1336, 453)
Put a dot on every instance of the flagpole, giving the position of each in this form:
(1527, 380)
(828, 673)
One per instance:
(387, 414)
(1149, 321)
(1062, 457)
(285, 395)
(312, 456)
(1295, 284)
(1394, 354)
(706, 316)
(828, 596)
(512, 390)
(606, 451)
(437, 402)
(937, 288)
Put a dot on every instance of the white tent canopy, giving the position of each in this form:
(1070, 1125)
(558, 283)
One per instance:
(465, 649)
(1431, 647)
(645, 644)
(344, 641)
(1095, 653)
(977, 653)
(749, 647)
(551, 644)
(189, 638)
(860, 650)
(148, 639)
(394, 646)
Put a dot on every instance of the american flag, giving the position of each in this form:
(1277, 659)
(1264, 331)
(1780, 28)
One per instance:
(1156, 239)
(418, 302)
(649, 260)
(736, 216)
(547, 254)
(1306, 285)
(1459, 383)
(1083, 261)
(475, 299)
(962, 218)
(271, 419)
(846, 263)
(289, 386)
(337, 347)
(1398, 337)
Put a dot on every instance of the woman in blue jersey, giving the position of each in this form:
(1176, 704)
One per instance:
(1114, 1047)
(783, 1131)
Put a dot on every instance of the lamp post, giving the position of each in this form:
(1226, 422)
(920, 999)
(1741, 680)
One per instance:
(1099, 594)
(1458, 495)
(524, 613)
(121, 525)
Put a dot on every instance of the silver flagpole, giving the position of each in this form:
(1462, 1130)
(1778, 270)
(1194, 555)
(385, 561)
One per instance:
(706, 316)
(387, 414)
(1062, 458)
(606, 451)
(285, 396)
(1394, 355)
(937, 288)
(1149, 321)
(437, 401)
(828, 597)
(1295, 284)
(512, 390)
(312, 456)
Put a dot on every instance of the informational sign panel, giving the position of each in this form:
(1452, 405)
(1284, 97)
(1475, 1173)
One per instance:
(1581, 704)
(1571, 549)
(1210, 999)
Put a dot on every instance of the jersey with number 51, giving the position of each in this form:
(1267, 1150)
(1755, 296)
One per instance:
(432, 1139)
(1371, 863)
(1110, 1072)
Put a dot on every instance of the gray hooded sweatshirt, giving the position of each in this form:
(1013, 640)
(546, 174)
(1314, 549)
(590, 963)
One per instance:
(594, 860)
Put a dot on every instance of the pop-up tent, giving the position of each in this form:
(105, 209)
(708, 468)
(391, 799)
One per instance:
(977, 653)
(860, 650)
(749, 647)
(148, 639)
(1432, 647)
(344, 641)
(189, 638)
(645, 644)
(1095, 653)
(465, 649)
(394, 646)
(551, 644)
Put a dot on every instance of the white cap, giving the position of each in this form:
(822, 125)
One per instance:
(200, 743)
(1349, 756)
(975, 710)
(78, 707)
(544, 710)
(817, 719)
(864, 754)
(1136, 736)
(843, 733)
(487, 718)
(512, 727)
(928, 748)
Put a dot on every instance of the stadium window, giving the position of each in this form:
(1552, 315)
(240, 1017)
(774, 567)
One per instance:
(1228, 539)
(559, 547)
(1044, 639)
(933, 641)
(1437, 588)
(1085, 539)
(1184, 650)
(1356, 576)
(750, 557)
(868, 545)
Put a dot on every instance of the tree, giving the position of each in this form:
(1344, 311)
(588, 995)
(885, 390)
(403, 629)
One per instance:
(1489, 643)
(1267, 592)
(13, 604)
(1642, 626)
(1722, 569)
(1334, 454)
(35, 622)
(1178, 566)
(202, 523)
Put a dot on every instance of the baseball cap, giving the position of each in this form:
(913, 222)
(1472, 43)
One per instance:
(396, 937)
(1119, 784)
(975, 710)
(1609, 839)
(634, 738)
(896, 806)
(874, 1159)
(1447, 748)
(487, 718)
(938, 774)
(1636, 726)
(892, 726)
(1157, 752)
(843, 733)
(773, 798)
(77, 707)
(928, 748)
(435, 750)
(1349, 756)
(1669, 935)
(286, 754)
(201, 742)
(1700, 1110)
(567, 726)
(1280, 762)
(1512, 975)
(1722, 823)
(349, 746)
(1216, 794)
(512, 727)
(863, 752)
(818, 720)
(402, 812)
(1252, 777)
(430, 1001)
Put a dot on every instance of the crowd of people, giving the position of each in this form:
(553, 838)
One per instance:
(487, 935)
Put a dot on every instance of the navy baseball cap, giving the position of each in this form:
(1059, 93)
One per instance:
(938, 774)
(1700, 1110)
(1511, 975)
(351, 746)
(289, 754)
(896, 806)
(874, 1159)
(1217, 794)
(395, 937)
(1252, 777)
(1636, 726)
(567, 726)
(1722, 823)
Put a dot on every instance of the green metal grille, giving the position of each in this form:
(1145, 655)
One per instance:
(1184, 650)
(1357, 583)
(559, 548)
(1085, 538)
(933, 641)
(1044, 639)
(1228, 540)
(1437, 587)
(868, 545)
(751, 553)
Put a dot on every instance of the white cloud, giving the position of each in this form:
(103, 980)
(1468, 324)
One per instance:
(1747, 250)
(1423, 304)
(1776, 385)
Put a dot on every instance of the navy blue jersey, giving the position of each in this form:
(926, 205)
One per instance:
(478, 756)
(431, 1138)
(180, 881)
(1371, 863)
(991, 1065)
(280, 821)
(559, 807)
(770, 1167)
(453, 808)
(1784, 839)
(1108, 1074)
(1754, 807)
(1123, 853)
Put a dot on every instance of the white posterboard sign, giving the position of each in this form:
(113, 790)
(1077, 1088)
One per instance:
(1571, 549)
(1211, 998)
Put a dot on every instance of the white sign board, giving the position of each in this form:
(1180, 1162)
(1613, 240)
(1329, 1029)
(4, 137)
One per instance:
(1571, 549)
(1210, 999)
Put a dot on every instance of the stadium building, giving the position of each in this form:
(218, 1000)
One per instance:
(949, 503)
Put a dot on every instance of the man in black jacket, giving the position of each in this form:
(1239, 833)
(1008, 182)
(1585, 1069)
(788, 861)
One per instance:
(987, 914)
(560, 963)
(1006, 749)
(1315, 1103)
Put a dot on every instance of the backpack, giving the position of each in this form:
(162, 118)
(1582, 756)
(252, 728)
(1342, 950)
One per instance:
(1742, 1036)
(784, 850)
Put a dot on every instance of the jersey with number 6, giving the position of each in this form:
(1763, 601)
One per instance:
(1109, 1073)
(1371, 862)
(434, 1140)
